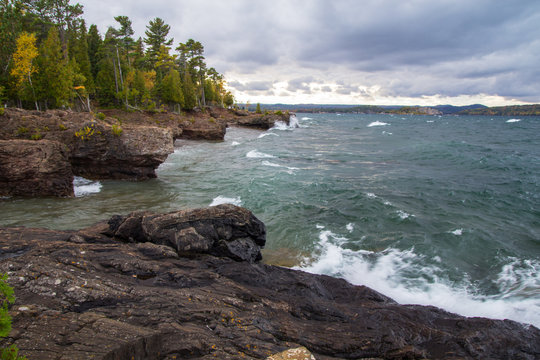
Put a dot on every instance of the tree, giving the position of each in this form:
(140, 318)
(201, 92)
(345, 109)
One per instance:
(228, 99)
(94, 43)
(171, 88)
(191, 53)
(23, 66)
(190, 95)
(7, 297)
(258, 109)
(80, 54)
(55, 76)
(156, 36)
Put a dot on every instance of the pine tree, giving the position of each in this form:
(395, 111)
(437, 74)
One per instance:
(156, 36)
(171, 88)
(23, 66)
(94, 44)
(80, 54)
(55, 76)
(190, 95)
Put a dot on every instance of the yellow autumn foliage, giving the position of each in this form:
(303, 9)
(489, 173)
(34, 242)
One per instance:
(23, 57)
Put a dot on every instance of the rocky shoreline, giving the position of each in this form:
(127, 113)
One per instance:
(188, 285)
(40, 152)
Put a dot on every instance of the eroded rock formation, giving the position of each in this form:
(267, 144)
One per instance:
(133, 288)
(35, 168)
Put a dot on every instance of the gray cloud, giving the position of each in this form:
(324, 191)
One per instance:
(408, 48)
(252, 86)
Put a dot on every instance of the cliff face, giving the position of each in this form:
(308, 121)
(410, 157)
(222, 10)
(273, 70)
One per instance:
(185, 285)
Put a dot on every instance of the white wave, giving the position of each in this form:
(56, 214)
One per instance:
(267, 134)
(280, 125)
(513, 120)
(430, 121)
(371, 195)
(307, 118)
(377, 123)
(387, 133)
(258, 155)
(457, 232)
(389, 272)
(235, 143)
(350, 227)
(403, 215)
(226, 200)
(268, 163)
(83, 187)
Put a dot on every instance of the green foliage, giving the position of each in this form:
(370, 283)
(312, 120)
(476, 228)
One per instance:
(62, 127)
(258, 109)
(22, 130)
(171, 91)
(117, 130)
(36, 135)
(279, 112)
(100, 116)
(86, 132)
(7, 298)
(212, 120)
(2, 111)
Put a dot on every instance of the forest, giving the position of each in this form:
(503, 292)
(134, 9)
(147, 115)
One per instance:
(50, 59)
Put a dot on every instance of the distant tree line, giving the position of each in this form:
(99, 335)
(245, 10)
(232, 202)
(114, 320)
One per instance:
(50, 59)
(512, 110)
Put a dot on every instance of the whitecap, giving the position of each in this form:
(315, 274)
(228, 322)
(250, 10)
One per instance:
(377, 123)
(371, 195)
(258, 155)
(307, 118)
(430, 121)
(83, 187)
(267, 134)
(403, 215)
(226, 200)
(457, 232)
(389, 272)
(235, 143)
(349, 227)
(513, 120)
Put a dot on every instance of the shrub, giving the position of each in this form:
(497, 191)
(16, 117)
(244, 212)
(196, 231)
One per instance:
(212, 120)
(117, 130)
(279, 112)
(2, 111)
(100, 116)
(62, 127)
(86, 132)
(22, 130)
(37, 135)
(7, 297)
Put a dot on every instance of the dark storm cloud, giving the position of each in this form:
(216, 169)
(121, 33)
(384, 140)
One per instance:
(408, 48)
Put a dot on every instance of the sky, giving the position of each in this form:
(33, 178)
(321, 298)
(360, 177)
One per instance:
(369, 52)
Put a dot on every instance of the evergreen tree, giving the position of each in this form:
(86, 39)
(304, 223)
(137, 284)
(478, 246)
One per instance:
(55, 76)
(11, 21)
(171, 88)
(190, 95)
(156, 36)
(106, 89)
(80, 54)
(94, 44)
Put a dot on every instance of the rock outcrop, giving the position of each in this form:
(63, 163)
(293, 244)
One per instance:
(260, 121)
(35, 168)
(134, 288)
(133, 154)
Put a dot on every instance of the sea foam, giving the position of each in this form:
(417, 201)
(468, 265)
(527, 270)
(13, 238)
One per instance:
(254, 154)
(513, 120)
(219, 200)
(389, 272)
(377, 123)
(83, 187)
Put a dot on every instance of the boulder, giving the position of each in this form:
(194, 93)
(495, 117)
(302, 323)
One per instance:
(35, 168)
(224, 230)
(300, 353)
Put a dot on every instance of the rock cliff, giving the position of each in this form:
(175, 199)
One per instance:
(185, 285)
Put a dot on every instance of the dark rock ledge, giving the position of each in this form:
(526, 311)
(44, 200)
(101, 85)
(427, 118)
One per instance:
(186, 285)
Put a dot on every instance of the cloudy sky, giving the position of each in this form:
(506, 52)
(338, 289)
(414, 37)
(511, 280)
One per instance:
(385, 52)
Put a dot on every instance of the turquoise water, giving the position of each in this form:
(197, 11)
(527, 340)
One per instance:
(425, 209)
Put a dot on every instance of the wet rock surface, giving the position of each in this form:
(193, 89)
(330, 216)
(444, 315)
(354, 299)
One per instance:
(133, 288)
(35, 168)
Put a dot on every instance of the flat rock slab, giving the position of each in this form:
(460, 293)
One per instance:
(91, 295)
